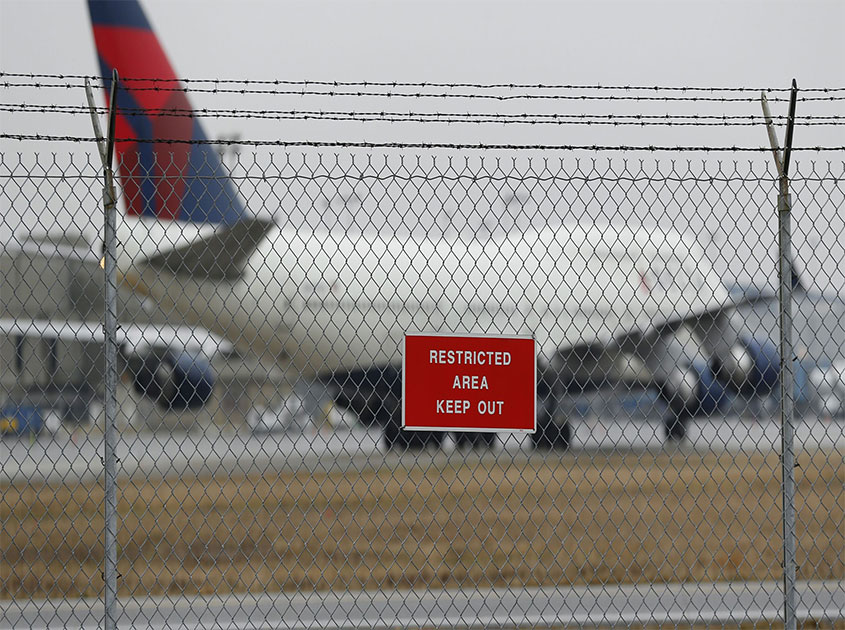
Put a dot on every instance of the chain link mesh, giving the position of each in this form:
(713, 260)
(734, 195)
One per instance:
(263, 479)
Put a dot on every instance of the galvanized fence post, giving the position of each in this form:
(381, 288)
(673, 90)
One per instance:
(106, 148)
(787, 407)
(787, 372)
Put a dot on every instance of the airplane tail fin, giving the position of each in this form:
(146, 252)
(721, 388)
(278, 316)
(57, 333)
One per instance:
(166, 168)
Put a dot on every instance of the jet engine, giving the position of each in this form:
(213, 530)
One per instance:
(176, 381)
(827, 387)
(750, 367)
(690, 390)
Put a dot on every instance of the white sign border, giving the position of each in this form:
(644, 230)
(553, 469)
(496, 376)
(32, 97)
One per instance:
(469, 429)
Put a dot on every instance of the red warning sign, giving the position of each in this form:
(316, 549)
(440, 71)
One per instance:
(469, 383)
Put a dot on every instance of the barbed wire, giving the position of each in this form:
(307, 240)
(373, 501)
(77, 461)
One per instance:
(668, 94)
(420, 145)
(425, 95)
(643, 120)
(428, 84)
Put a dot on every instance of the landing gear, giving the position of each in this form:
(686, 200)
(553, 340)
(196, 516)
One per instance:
(479, 441)
(675, 424)
(553, 429)
(375, 395)
(551, 435)
(390, 419)
(393, 437)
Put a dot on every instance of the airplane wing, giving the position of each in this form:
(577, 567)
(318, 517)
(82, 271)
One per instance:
(168, 364)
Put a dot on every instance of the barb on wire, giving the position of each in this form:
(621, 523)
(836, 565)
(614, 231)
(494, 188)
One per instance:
(430, 84)
(423, 145)
(394, 94)
(642, 120)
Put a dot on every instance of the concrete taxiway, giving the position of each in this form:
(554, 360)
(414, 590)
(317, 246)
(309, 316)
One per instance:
(709, 604)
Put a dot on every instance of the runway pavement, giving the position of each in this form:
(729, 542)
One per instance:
(710, 604)
(78, 457)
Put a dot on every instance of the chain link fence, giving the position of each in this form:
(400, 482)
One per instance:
(262, 475)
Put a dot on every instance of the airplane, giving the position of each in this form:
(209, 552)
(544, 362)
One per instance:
(606, 303)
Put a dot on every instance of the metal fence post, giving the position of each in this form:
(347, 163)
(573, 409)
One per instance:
(787, 406)
(787, 373)
(106, 148)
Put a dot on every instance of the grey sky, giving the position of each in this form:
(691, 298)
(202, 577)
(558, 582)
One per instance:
(676, 42)
(681, 42)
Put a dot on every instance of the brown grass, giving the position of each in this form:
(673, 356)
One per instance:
(576, 519)
(802, 624)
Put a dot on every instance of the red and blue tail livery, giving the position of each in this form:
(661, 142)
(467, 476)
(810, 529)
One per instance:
(166, 167)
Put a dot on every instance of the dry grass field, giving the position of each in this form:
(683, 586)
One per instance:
(573, 519)
(803, 624)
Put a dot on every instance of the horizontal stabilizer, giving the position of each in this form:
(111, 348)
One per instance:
(219, 256)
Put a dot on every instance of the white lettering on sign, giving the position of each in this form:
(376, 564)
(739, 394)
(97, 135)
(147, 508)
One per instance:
(491, 407)
(470, 382)
(452, 406)
(469, 357)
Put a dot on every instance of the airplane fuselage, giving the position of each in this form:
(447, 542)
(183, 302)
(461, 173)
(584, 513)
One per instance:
(328, 301)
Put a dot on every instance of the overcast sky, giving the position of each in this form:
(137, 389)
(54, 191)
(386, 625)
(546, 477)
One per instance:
(676, 43)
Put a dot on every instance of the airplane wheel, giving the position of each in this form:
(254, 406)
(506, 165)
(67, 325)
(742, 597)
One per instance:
(480, 441)
(552, 436)
(395, 438)
(553, 429)
(389, 416)
(675, 425)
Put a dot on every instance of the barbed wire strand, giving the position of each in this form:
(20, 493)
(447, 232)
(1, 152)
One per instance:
(430, 95)
(689, 120)
(419, 145)
(431, 84)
